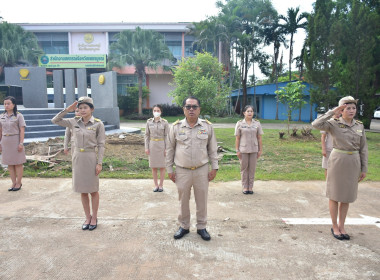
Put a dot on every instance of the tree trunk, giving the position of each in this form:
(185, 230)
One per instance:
(140, 75)
(290, 57)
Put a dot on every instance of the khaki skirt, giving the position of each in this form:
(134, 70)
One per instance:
(343, 173)
(157, 154)
(10, 155)
(84, 167)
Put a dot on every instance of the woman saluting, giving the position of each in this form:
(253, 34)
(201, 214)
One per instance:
(348, 162)
(88, 134)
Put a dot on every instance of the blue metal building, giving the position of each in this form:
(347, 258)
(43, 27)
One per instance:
(266, 102)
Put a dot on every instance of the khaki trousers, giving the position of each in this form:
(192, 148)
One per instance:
(247, 169)
(198, 179)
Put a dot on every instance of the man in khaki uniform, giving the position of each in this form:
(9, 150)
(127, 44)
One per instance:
(191, 144)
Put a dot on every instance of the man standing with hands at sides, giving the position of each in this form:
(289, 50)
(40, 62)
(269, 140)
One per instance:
(191, 144)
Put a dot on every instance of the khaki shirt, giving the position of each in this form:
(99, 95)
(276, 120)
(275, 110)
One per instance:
(346, 137)
(86, 137)
(328, 141)
(67, 138)
(156, 131)
(191, 147)
(10, 125)
(248, 135)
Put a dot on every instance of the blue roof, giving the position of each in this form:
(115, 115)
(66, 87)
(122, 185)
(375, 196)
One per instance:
(268, 89)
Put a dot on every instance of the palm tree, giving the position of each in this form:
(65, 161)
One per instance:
(142, 49)
(291, 25)
(274, 35)
(17, 46)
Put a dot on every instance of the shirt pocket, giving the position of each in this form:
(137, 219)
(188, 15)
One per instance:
(202, 140)
(182, 141)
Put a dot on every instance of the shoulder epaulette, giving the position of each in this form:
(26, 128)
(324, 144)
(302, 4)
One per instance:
(336, 119)
(164, 119)
(257, 120)
(176, 122)
(359, 121)
(97, 120)
(150, 119)
(207, 121)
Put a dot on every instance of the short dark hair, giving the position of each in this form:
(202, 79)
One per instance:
(89, 105)
(247, 107)
(191, 97)
(158, 106)
(13, 100)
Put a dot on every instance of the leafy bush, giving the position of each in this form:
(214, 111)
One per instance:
(171, 110)
(129, 102)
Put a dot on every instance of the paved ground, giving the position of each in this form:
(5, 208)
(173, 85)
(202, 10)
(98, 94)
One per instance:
(40, 235)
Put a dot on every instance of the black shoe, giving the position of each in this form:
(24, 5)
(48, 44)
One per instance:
(10, 189)
(155, 189)
(85, 226)
(16, 189)
(345, 236)
(337, 236)
(250, 192)
(180, 233)
(204, 234)
(92, 227)
(160, 190)
(245, 192)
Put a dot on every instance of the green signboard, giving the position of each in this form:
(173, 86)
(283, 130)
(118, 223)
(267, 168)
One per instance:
(73, 61)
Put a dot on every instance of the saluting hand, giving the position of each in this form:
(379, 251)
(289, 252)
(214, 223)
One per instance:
(72, 107)
(147, 152)
(339, 110)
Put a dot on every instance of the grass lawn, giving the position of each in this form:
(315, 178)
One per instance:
(291, 159)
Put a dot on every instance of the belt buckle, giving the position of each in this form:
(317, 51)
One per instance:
(350, 153)
(81, 150)
(193, 168)
(7, 134)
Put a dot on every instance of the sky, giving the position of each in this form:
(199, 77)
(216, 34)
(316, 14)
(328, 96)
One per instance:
(76, 11)
(42, 11)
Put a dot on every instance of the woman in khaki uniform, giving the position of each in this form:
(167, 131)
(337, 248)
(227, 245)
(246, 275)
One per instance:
(155, 144)
(348, 162)
(88, 134)
(249, 147)
(12, 131)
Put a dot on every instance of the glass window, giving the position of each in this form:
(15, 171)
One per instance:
(54, 43)
(124, 81)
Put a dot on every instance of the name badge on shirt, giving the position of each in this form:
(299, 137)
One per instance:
(342, 126)
(202, 131)
(91, 128)
(182, 132)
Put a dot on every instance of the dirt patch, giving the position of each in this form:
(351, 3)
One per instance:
(124, 147)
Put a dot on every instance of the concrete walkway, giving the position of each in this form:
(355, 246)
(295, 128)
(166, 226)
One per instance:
(41, 236)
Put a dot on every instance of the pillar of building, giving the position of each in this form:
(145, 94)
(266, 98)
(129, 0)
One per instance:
(58, 88)
(82, 82)
(69, 86)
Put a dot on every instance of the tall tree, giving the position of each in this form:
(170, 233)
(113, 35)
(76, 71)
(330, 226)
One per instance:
(274, 34)
(319, 53)
(356, 61)
(142, 49)
(17, 46)
(292, 22)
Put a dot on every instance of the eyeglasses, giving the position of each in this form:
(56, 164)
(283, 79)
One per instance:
(194, 107)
